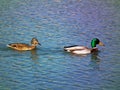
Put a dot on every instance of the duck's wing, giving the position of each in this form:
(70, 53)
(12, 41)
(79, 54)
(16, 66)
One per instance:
(74, 47)
(18, 46)
(81, 51)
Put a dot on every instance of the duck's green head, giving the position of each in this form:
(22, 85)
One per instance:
(96, 41)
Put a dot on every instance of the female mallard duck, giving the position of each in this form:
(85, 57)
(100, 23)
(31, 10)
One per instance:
(24, 47)
(82, 50)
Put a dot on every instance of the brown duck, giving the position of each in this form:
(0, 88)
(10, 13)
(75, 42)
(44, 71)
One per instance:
(24, 47)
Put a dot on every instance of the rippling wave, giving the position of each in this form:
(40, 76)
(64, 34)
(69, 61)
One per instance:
(55, 24)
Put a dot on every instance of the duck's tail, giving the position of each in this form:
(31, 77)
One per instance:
(8, 45)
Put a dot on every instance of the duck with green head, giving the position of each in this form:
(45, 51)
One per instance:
(82, 50)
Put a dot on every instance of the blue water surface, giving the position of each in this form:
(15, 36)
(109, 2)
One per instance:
(59, 23)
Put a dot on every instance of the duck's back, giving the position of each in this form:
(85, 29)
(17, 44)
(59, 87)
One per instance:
(74, 47)
(20, 46)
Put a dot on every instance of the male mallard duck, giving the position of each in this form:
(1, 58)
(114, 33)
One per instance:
(23, 47)
(82, 50)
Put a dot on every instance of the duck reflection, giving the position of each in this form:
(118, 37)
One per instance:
(34, 55)
(95, 60)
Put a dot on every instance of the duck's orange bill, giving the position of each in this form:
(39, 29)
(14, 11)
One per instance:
(101, 44)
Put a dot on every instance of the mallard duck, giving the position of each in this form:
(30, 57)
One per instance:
(24, 47)
(82, 50)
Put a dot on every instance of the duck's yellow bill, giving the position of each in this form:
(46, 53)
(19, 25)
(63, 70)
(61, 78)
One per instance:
(101, 44)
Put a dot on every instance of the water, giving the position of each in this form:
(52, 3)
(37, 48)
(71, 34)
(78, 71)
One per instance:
(58, 23)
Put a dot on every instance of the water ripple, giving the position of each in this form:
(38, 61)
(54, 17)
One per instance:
(56, 24)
